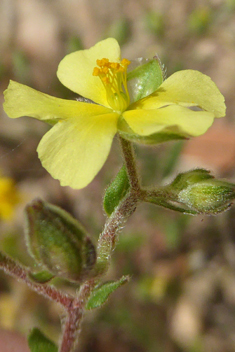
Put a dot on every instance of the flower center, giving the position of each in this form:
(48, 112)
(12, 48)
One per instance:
(113, 77)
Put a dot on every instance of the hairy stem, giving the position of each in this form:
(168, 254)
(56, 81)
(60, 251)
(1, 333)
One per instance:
(72, 325)
(21, 273)
(106, 245)
(75, 305)
(115, 223)
(123, 211)
(129, 157)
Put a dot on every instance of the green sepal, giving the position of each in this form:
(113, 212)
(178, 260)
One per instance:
(144, 76)
(101, 293)
(209, 197)
(188, 178)
(38, 342)
(170, 205)
(41, 277)
(116, 191)
(58, 242)
(156, 138)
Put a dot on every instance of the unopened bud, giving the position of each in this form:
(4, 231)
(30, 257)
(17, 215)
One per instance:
(58, 242)
(201, 192)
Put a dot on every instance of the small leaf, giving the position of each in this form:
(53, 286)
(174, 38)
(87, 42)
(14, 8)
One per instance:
(101, 293)
(116, 191)
(38, 342)
(41, 277)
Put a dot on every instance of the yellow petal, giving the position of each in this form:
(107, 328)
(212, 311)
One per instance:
(75, 70)
(173, 118)
(74, 150)
(187, 88)
(21, 100)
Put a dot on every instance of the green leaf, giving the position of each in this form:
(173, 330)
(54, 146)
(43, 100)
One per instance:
(116, 191)
(101, 293)
(38, 342)
(144, 76)
(41, 277)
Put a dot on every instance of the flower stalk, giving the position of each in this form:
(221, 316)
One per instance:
(21, 273)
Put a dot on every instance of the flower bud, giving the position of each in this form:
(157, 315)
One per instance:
(58, 242)
(201, 192)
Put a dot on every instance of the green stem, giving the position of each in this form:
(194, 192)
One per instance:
(164, 198)
(108, 237)
(129, 157)
(123, 211)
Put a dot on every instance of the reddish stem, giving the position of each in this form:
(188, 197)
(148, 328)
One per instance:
(20, 272)
(74, 317)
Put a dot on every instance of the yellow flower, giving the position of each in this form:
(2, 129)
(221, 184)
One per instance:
(9, 197)
(76, 147)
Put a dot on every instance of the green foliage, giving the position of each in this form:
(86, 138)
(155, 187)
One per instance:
(154, 22)
(74, 43)
(116, 191)
(58, 242)
(185, 179)
(230, 5)
(169, 204)
(120, 30)
(101, 293)
(21, 66)
(38, 342)
(41, 277)
(200, 20)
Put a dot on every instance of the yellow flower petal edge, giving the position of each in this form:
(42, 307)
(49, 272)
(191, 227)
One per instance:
(189, 88)
(75, 70)
(74, 151)
(174, 118)
(21, 100)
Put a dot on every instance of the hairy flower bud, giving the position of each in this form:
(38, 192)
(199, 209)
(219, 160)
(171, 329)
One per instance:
(201, 192)
(58, 242)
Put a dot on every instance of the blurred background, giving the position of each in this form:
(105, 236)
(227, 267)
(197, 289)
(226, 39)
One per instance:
(181, 296)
